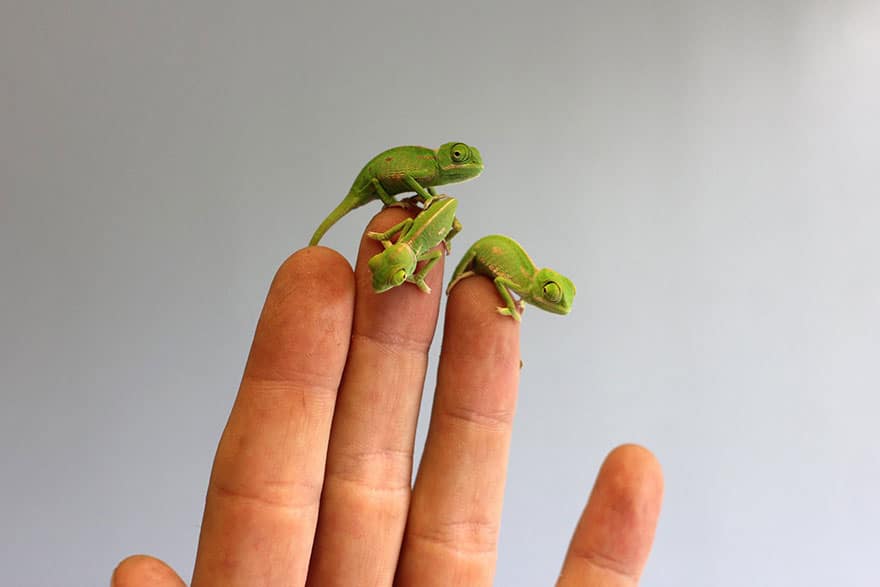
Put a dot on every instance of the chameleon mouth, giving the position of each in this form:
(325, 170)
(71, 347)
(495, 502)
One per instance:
(462, 171)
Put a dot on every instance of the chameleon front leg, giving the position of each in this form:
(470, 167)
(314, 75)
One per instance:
(419, 278)
(385, 237)
(512, 308)
(417, 188)
(447, 242)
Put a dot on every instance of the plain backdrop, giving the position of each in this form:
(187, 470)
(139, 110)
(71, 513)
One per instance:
(706, 172)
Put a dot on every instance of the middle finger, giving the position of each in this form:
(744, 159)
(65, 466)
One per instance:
(367, 482)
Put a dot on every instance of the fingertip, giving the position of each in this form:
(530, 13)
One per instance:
(334, 270)
(475, 300)
(630, 484)
(634, 466)
(140, 570)
(309, 308)
(628, 490)
(617, 528)
(480, 357)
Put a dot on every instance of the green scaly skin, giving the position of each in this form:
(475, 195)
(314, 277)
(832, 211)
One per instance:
(406, 169)
(503, 260)
(418, 236)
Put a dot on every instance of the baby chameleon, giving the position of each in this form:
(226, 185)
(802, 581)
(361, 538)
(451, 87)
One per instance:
(406, 169)
(505, 261)
(418, 236)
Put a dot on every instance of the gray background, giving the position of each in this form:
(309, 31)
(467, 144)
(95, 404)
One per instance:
(707, 173)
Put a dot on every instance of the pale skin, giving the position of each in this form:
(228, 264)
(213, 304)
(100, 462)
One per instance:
(311, 480)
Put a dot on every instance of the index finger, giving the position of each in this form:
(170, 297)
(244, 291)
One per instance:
(262, 502)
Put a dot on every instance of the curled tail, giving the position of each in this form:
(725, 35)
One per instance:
(347, 204)
(463, 269)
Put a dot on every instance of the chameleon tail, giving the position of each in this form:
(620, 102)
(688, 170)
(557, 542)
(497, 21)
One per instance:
(347, 204)
(462, 270)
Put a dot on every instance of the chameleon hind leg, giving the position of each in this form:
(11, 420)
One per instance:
(388, 200)
(447, 242)
(511, 308)
(407, 203)
(383, 195)
(419, 278)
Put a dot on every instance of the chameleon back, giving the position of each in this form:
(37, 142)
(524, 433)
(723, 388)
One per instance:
(432, 225)
(391, 166)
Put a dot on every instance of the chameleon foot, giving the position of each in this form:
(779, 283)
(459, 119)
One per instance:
(504, 311)
(423, 286)
(409, 203)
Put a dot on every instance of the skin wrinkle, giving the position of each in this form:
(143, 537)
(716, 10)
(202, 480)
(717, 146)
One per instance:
(608, 564)
(467, 545)
(274, 393)
(387, 464)
(369, 490)
(394, 343)
(499, 420)
(290, 498)
(379, 470)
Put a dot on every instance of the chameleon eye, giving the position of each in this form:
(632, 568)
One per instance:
(552, 292)
(460, 152)
(398, 277)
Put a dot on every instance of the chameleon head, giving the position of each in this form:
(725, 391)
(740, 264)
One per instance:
(459, 162)
(391, 267)
(553, 292)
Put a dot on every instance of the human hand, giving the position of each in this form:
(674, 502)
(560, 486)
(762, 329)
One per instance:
(311, 482)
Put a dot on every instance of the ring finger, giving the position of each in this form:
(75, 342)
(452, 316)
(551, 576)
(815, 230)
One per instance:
(452, 531)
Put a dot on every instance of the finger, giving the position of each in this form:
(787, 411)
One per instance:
(614, 535)
(452, 531)
(141, 570)
(262, 502)
(369, 464)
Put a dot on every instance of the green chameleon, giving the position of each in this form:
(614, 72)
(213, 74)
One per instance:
(504, 260)
(406, 169)
(418, 236)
